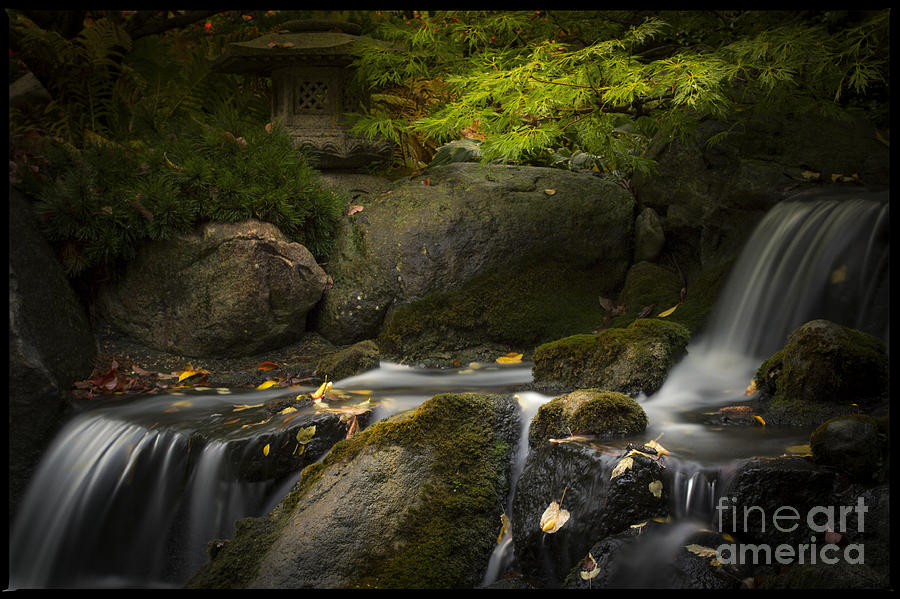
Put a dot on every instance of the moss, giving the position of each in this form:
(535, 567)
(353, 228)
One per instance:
(518, 306)
(627, 360)
(587, 411)
(441, 541)
(767, 375)
(347, 362)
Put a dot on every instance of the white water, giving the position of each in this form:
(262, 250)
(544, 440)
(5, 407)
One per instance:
(119, 502)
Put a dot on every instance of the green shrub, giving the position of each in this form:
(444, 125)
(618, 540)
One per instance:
(107, 199)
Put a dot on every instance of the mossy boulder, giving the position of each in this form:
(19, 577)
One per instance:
(412, 501)
(628, 360)
(823, 370)
(856, 444)
(648, 284)
(517, 307)
(435, 232)
(357, 358)
(587, 411)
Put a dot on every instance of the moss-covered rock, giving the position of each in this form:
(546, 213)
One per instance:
(518, 307)
(856, 444)
(824, 370)
(413, 501)
(627, 360)
(359, 357)
(587, 411)
(648, 284)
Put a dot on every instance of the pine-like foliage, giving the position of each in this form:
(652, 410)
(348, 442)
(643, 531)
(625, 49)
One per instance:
(539, 86)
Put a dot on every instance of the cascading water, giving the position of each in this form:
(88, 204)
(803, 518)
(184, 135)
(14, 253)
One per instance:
(124, 497)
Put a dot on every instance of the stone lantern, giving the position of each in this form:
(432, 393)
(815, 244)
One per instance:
(309, 63)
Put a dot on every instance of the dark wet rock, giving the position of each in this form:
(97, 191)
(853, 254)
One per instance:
(824, 369)
(640, 492)
(856, 444)
(435, 232)
(238, 289)
(628, 360)
(413, 501)
(50, 344)
(587, 412)
(357, 358)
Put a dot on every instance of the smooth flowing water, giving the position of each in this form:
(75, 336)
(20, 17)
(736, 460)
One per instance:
(122, 497)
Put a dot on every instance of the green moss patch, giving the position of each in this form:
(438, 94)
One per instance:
(628, 360)
(587, 411)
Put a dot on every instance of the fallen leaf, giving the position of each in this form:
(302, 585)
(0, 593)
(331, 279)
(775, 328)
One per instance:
(701, 550)
(737, 409)
(256, 423)
(268, 127)
(242, 406)
(266, 366)
(353, 210)
(799, 449)
(660, 450)
(266, 385)
(573, 439)
(645, 311)
(760, 419)
(553, 518)
(288, 410)
(589, 568)
(667, 312)
(728, 537)
(305, 435)
(353, 428)
(266, 449)
(231, 421)
(656, 488)
(140, 371)
(811, 175)
(510, 358)
(321, 391)
(550, 192)
(623, 465)
(182, 404)
(839, 275)
(641, 525)
(607, 304)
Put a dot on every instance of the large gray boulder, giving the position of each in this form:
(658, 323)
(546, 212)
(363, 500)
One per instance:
(229, 290)
(413, 501)
(50, 344)
(436, 231)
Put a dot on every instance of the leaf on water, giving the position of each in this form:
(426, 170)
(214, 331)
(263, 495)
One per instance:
(839, 275)
(256, 423)
(760, 419)
(623, 465)
(573, 439)
(510, 358)
(589, 568)
(189, 372)
(182, 404)
(266, 449)
(802, 450)
(232, 421)
(288, 410)
(266, 366)
(243, 406)
(267, 384)
(553, 518)
(305, 435)
(637, 452)
(321, 391)
(656, 488)
(701, 550)
(811, 175)
(665, 520)
(667, 312)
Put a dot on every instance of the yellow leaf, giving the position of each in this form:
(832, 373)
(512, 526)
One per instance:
(504, 524)
(266, 449)
(660, 450)
(667, 312)
(839, 275)
(590, 562)
(641, 525)
(701, 550)
(728, 537)
(665, 520)
(511, 358)
(321, 391)
(835, 177)
(267, 384)
(636, 452)
(305, 435)
(761, 421)
(553, 518)
(623, 465)
(799, 449)
(243, 406)
(550, 192)
(751, 388)
(811, 175)
(181, 404)
(288, 410)
(656, 488)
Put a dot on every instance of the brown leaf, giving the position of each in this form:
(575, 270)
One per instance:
(645, 311)
(353, 210)
(353, 428)
(265, 366)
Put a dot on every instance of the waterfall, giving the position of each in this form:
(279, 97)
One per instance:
(822, 255)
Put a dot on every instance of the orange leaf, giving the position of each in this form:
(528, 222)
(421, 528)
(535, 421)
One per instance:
(267, 366)
(353, 210)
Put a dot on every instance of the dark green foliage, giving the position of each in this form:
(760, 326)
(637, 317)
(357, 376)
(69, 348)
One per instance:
(110, 198)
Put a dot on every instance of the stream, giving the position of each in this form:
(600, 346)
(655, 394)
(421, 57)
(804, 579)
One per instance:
(121, 499)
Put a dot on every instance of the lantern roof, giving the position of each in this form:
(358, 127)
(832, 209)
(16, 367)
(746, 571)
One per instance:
(305, 42)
